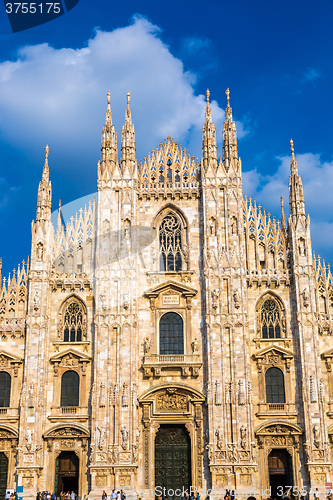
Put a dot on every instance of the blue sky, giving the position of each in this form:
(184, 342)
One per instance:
(276, 58)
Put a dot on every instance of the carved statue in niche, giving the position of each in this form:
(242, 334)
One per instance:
(306, 298)
(102, 438)
(219, 437)
(36, 301)
(212, 226)
(126, 303)
(40, 251)
(215, 297)
(243, 436)
(241, 392)
(301, 247)
(28, 437)
(31, 396)
(316, 435)
(195, 346)
(125, 397)
(236, 299)
(103, 302)
(146, 346)
(102, 395)
(218, 393)
(124, 437)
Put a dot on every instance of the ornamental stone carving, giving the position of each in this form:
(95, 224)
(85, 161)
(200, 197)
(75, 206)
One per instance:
(313, 390)
(124, 437)
(218, 393)
(241, 392)
(171, 401)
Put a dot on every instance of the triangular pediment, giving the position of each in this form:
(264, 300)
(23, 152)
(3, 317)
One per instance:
(70, 354)
(7, 357)
(172, 286)
(271, 350)
(327, 354)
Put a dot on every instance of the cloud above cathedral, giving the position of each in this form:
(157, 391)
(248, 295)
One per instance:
(58, 95)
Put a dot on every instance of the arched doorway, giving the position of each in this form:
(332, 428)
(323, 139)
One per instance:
(172, 459)
(67, 472)
(280, 472)
(3, 474)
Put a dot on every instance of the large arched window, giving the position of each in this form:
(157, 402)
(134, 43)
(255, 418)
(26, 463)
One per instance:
(171, 334)
(73, 322)
(5, 383)
(170, 241)
(274, 386)
(270, 317)
(70, 383)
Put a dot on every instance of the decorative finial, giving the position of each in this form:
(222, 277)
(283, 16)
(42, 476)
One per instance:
(292, 146)
(128, 97)
(207, 96)
(227, 93)
(108, 94)
(46, 152)
(59, 204)
(282, 201)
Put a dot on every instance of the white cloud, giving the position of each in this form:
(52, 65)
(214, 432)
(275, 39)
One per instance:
(310, 75)
(58, 96)
(317, 179)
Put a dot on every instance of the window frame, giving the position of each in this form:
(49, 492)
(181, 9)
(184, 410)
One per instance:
(8, 397)
(62, 388)
(166, 313)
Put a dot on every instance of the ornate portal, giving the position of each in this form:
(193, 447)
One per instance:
(172, 458)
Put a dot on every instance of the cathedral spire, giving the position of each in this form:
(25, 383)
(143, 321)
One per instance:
(44, 192)
(109, 149)
(230, 148)
(283, 217)
(296, 196)
(59, 225)
(209, 152)
(128, 138)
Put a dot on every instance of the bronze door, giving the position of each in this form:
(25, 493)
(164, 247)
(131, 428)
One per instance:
(67, 472)
(280, 472)
(3, 474)
(172, 459)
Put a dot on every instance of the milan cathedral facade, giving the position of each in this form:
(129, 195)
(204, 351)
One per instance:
(171, 334)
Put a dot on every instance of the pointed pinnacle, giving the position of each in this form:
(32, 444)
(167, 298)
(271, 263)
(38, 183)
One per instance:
(292, 147)
(128, 98)
(109, 100)
(227, 93)
(207, 96)
(46, 152)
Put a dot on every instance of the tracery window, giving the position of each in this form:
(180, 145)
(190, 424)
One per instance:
(73, 322)
(171, 334)
(5, 385)
(275, 392)
(70, 383)
(270, 320)
(170, 239)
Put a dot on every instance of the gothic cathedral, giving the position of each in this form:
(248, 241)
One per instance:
(172, 334)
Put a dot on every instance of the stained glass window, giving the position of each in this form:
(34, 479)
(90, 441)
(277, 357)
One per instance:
(170, 244)
(73, 322)
(270, 320)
